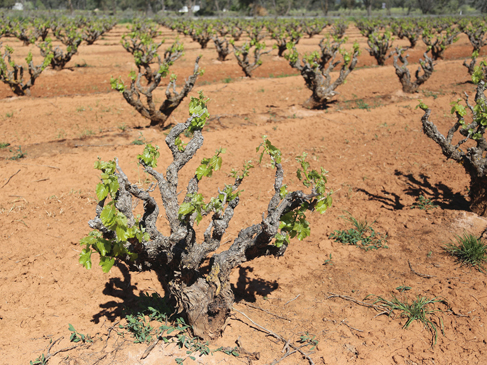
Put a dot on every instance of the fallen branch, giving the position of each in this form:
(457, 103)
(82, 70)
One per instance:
(419, 274)
(49, 355)
(278, 337)
(10, 178)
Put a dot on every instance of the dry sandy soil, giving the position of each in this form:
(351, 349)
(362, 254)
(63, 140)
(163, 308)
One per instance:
(379, 163)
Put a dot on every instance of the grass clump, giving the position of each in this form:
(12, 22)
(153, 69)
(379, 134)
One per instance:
(362, 235)
(418, 310)
(17, 154)
(469, 250)
(424, 203)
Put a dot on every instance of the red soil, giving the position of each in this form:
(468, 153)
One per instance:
(379, 162)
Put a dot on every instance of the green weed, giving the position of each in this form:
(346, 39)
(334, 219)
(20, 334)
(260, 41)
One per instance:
(362, 105)
(4, 144)
(140, 140)
(424, 203)
(86, 133)
(78, 337)
(18, 154)
(61, 134)
(227, 80)
(139, 327)
(309, 340)
(41, 360)
(403, 288)
(328, 261)
(469, 250)
(362, 235)
(417, 310)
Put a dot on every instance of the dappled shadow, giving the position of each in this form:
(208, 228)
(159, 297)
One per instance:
(393, 203)
(247, 288)
(440, 193)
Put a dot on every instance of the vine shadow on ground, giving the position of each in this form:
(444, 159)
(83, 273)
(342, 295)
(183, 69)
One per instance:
(440, 193)
(118, 288)
(389, 203)
(247, 288)
(122, 288)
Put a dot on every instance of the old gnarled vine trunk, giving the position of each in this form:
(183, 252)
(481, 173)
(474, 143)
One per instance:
(473, 158)
(180, 259)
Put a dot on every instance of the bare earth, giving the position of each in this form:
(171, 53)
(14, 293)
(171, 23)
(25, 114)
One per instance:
(378, 160)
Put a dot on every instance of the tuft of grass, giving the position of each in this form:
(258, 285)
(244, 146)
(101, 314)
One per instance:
(424, 203)
(18, 154)
(86, 133)
(469, 250)
(362, 235)
(362, 105)
(4, 144)
(122, 127)
(227, 80)
(418, 310)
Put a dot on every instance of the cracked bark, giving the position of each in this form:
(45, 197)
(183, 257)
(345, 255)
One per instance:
(318, 79)
(473, 159)
(205, 300)
(402, 72)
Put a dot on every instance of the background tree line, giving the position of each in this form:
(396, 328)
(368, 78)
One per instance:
(260, 7)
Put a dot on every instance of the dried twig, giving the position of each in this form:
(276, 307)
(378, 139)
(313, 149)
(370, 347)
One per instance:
(297, 296)
(220, 89)
(95, 145)
(282, 358)
(49, 355)
(10, 178)
(478, 302)
(34, 164)
(265, 310)
(346, 297)
(150, 348)
(346, 324)
(278, 337)
(419, 274)
(41, 180)
(110, 329)
(356, 116)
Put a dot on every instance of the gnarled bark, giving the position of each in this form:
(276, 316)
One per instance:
(243, 59)
(317, 76)
(149, 110)
(474, 158)
(222, 47)
(402, 72)
(205, 300)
